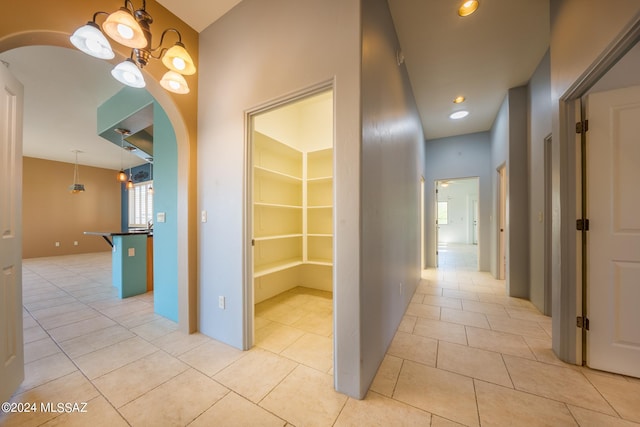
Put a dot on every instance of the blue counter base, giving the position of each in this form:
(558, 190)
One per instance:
(129, 259)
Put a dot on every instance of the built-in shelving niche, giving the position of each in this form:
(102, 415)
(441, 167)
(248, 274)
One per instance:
(292, 217)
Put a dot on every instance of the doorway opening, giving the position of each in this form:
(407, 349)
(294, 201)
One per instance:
(291, 223)
(457, 223)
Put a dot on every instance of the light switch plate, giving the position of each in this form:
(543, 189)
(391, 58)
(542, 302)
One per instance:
(132, 251)
(161, 217)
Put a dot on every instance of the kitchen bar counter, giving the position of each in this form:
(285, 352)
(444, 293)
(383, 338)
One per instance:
(106, 235)
(129, 260)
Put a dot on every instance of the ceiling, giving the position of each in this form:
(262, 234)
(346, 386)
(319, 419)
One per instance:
(479, 57)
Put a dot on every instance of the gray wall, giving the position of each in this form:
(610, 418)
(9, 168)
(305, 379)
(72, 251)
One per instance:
(581, 31)
(257, 53)
(509, 146)
(460, 157)
(392, 163)
(539, 128)
(499, 136)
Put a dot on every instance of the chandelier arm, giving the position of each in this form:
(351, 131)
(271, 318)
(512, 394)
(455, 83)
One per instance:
(160, 54)
(129, 5)
(162, 39)
(95, 15)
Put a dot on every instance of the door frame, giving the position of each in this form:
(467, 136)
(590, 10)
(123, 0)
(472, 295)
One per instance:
(568, 342)
(548, 229)
(423, 261)
(248, 328)
(435, 223)
(501, 228)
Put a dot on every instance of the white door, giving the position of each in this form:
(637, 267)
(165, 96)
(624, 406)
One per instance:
(11, 344)
(474, 213)
(613, 251)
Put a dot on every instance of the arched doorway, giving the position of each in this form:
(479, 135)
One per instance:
(184, 132)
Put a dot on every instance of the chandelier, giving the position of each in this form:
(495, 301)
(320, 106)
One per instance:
(131, 28)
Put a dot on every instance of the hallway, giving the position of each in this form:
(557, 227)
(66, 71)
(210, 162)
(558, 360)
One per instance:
(464, 354)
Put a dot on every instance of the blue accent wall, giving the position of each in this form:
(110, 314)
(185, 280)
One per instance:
(165, 198)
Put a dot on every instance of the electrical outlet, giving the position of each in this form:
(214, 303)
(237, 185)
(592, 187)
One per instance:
(221, 302)
(57, 244)
(401, 289)
(75, 243)
(203, 216)
(132, 252)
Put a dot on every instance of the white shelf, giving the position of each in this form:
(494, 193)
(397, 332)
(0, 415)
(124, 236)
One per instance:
(321, 179)
(277, 205)
(261, 171)
(293, 221)
(263, 270)
(276, 237)
(327, 263)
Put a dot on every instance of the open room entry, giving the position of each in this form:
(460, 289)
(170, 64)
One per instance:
(290, 215)
(457, 223)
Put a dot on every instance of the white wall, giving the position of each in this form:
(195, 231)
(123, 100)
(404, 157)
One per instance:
(257, 53)
(460, 157)
(499, 135)
(392, 164)
(581, 31)
(539, 128)
(459, 194)
(306, 125)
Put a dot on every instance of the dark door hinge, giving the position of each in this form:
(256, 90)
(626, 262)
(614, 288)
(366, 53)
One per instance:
(582, 225)
(582, 322)
(582, 126)
(253, 242)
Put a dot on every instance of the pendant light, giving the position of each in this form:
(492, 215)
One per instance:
(150, 189)
(76, 187)
(128, 74)
(122, 176)
(129, 185)
(122, 27)
(90, 40)
(174, 82)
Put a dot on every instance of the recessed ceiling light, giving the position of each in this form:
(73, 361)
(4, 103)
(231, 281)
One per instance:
(468, 7)
(459, 114)
(459, 100)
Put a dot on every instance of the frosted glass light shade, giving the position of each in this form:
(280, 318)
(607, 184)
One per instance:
(122, 176)
(178, 59)
(90, 40)
(122, 27)
(174, 82)
(128, 73)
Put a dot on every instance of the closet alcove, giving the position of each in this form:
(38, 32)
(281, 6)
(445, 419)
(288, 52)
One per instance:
(292, 223)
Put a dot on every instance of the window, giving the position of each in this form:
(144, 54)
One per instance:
(443, 213)
(140, 204)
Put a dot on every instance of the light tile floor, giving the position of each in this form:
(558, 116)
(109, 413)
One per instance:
(464, 354)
